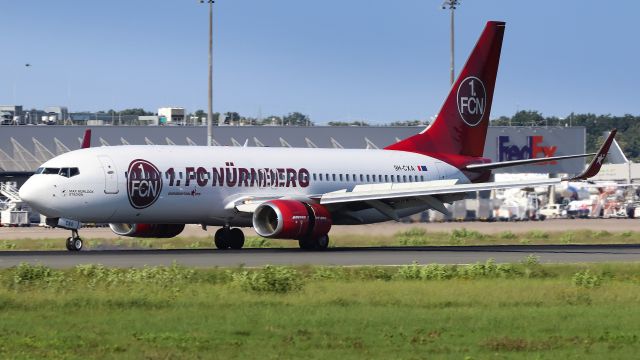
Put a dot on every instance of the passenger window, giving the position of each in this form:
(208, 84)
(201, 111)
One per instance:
(380, 178)
(386, 178)
(340, 177)
(361, 177)
(368, 180)
(404, 178)
(320, 177)
(314, 177)
(333, 176)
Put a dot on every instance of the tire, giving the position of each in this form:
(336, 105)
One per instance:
(306, 244)
(322, 243)
(77, 244)
(69, 243)
(236, 239)
(221, 239)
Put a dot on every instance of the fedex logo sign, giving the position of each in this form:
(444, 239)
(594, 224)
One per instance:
(532, 150)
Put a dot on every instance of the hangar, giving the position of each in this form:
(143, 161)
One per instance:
(24, 148)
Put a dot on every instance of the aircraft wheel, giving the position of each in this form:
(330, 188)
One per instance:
(221, 238)
(322, 242)
(69, 243)
(74, 243)
(236, 239)
(306, 244)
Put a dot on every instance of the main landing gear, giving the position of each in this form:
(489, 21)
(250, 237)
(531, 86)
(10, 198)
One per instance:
(74, 242)
(319, 243)
(227, 238)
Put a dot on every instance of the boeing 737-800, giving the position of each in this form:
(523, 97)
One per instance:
(298, 194)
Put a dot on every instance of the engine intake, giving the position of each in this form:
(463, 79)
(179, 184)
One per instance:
(291, 219)
(147, 230)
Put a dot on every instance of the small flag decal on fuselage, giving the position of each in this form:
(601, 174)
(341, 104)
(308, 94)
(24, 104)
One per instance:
(422, 168)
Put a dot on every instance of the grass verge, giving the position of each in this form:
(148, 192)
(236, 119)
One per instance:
(478, 311)
(411, 237)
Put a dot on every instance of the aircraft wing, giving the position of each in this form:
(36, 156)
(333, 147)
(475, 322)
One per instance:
(386, 197)
(379, 196)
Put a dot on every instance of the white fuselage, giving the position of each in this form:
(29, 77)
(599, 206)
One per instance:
(200, 185)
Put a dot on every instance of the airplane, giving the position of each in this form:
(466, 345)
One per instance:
(286, 193)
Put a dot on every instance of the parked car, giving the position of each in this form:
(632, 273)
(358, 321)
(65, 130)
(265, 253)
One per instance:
(552, 211)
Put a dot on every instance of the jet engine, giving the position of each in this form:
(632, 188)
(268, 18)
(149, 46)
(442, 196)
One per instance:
(291, 219)
(147, 230)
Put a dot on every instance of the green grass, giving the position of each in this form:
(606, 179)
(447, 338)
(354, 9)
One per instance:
(411, 237)
(479, 311)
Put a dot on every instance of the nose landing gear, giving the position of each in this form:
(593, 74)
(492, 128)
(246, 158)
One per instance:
(226, 238)
(74, 242)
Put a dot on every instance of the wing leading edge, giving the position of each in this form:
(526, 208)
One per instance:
(428, 188)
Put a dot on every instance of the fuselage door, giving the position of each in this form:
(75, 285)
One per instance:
(110, 175)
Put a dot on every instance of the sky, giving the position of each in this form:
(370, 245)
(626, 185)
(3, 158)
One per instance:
(335, 60)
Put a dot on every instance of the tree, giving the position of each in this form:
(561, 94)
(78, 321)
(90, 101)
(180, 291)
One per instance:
(344, 123)
(231, 117)
(409, 123)
(135, 111)
(527, 118)
(297, 119)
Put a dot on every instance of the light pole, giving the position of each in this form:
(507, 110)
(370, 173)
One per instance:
(451, 5)
(210, 109)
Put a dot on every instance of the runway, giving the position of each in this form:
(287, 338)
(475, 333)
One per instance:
(335, 256)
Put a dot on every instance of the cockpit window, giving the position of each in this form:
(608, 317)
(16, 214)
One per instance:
(69, 172)
(66, 172)
(51, 171)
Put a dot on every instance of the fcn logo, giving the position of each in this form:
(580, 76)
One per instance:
(472, 100)
(144, 183)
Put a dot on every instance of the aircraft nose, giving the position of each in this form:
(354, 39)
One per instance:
(27, 192)
(36, 196)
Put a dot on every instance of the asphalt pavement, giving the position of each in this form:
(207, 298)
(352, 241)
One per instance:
(334, 256)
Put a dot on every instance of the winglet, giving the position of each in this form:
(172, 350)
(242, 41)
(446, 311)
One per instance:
(596, 163)
(86, 140)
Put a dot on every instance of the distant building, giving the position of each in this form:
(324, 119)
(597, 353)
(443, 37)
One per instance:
(56, 114)
(11, 115)
(171, 115)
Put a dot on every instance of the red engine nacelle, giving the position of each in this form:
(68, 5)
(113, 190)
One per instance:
(147, 230)
(291, 219)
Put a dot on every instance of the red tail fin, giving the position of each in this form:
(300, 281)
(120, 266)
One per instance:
(461, 125)
(86, 140)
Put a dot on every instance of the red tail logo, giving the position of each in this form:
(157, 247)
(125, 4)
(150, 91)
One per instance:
(461, 126)
(472, 100)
